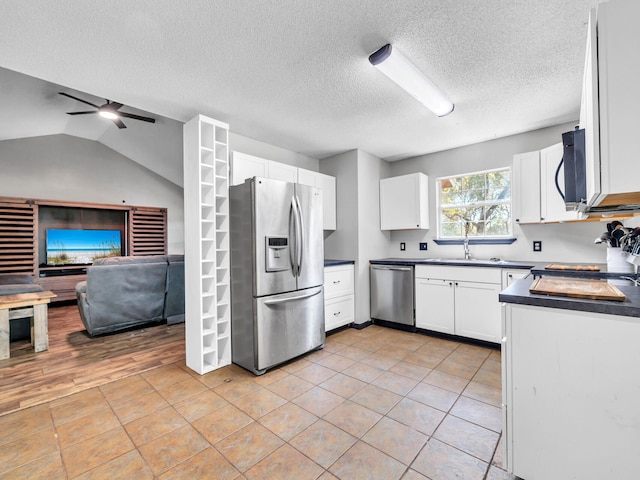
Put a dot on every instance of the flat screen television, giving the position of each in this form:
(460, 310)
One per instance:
(81, 247)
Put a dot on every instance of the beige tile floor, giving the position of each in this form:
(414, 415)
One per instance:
(375, 403)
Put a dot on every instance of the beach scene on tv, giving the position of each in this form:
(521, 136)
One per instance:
(73, 247)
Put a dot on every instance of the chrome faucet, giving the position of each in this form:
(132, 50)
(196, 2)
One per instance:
(465, 243)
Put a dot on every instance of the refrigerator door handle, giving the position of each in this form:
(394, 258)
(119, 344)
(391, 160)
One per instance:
(300, 238)
(293, 236)
(291, 299)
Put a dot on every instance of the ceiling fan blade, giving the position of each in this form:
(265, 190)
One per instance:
(78, 99)
(137, 117)
(119, 123)
(81, 113)
(115, 105)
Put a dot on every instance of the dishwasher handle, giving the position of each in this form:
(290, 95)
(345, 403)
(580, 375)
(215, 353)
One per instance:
(391, 267)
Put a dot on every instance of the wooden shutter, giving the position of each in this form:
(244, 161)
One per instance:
(147, 231)
(18, 238)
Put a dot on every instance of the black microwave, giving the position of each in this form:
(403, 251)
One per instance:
(575, 169)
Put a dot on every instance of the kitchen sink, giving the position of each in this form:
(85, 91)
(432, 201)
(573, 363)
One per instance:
(490, 261)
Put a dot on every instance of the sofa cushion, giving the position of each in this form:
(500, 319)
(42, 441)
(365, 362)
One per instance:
(131, 260)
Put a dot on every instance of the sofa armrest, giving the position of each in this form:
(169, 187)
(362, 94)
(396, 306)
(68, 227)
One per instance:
(81, 287)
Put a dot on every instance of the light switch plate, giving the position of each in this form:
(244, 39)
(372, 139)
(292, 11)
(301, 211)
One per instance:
(423, 245)
(403, 246)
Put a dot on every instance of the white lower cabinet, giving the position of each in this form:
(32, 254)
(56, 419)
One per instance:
(339, 299)
(434, 305)
(459, 300)
(571, 395)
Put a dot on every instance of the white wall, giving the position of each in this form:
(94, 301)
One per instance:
(373, 243)
(63, 167)
(358, 236)
(342, 244)
(568, 242)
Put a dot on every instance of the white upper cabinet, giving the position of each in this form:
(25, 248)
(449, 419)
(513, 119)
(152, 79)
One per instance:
(535, 196)
(404, 202)
(610, 104)
(245, 166)
(282, 171)
(525, 187)
(327, 184)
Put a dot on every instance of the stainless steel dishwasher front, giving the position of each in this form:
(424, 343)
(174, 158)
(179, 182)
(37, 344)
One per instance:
(392, 295)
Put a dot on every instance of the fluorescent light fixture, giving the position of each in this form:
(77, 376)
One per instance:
(391, 62)
(108, 113)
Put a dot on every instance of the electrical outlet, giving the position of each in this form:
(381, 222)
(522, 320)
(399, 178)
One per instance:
(403, 246)
(537, 245)
(423, 245)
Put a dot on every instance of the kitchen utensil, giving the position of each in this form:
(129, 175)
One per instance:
(616, 236)
(577, 268)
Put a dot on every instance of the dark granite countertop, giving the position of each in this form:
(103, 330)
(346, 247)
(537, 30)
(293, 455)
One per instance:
(460, 262)
(518, 293)
(539, 270)
(332, 263)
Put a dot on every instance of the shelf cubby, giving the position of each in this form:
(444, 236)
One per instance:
(206, 207)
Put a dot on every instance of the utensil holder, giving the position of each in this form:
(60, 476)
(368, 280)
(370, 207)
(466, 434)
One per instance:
(617, 263)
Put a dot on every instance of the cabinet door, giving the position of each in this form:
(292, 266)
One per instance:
(589, 114)
(282, 171)
(245, 166)
(478, 313)
(435, 305)
(526, 187)
(308, 177)
(552, 207)
(404, 202)
(328, 185)
(510, 276)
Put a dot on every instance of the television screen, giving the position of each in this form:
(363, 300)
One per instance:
(81, 247)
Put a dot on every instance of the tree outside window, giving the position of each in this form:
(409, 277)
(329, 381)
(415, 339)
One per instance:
(477, 205)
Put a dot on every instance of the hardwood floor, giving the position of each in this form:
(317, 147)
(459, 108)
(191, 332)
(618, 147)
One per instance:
(75, 361)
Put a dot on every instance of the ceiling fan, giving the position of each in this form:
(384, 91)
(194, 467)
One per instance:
(110, 110)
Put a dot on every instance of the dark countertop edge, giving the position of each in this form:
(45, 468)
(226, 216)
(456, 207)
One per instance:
(518, 293)
(451, 262)
(333, 263)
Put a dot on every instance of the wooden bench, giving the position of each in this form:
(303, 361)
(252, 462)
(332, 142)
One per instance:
(22, 305)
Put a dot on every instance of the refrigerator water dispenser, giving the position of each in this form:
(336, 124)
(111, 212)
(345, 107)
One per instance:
(277, 253)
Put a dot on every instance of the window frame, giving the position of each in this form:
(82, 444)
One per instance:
(488, 239)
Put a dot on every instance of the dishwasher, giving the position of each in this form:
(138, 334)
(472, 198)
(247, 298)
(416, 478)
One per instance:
(392, 295)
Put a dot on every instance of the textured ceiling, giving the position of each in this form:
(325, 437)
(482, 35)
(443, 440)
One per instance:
(295, 73)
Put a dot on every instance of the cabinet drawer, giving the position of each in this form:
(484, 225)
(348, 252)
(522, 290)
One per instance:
(470, 274)
(338, 281)
(338, 312)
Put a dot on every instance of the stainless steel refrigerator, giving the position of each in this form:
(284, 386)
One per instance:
(277, 272)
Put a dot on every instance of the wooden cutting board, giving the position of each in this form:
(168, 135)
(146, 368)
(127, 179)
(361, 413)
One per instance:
(577, 288)
(577, 268)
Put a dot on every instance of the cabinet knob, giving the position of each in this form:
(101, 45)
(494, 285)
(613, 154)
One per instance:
(517, 219)
(336, 281)
(336, 314)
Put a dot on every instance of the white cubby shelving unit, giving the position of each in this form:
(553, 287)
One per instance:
(206, 228)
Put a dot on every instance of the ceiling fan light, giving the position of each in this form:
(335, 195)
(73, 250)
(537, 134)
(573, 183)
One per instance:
(108, 113)
(395, 66)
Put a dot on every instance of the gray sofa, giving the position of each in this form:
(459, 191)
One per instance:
(126, 292)
(11, 284)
